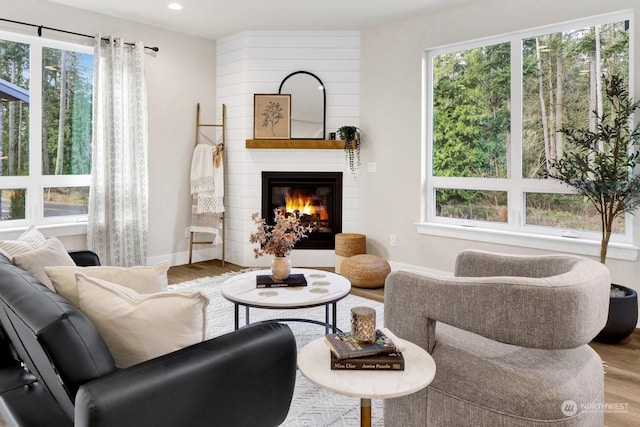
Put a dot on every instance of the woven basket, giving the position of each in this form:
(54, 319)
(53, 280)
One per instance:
(339, 260)
(365, 271)
(350, 244)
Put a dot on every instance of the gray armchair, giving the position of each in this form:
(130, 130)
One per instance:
(509, 336)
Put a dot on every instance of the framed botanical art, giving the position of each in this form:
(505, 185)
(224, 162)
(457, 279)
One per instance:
(272, 116)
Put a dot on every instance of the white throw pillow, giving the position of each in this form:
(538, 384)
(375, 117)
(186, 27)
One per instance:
(143, 280)
(138, 327)
(33, 236)
(51, 252)
(29, 240)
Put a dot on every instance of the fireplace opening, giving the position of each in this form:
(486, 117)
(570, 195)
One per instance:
(316, 197)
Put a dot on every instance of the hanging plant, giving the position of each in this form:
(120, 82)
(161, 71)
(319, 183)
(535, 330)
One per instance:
(351, 137)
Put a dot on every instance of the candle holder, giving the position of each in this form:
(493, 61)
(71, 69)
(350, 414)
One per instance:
(363, 324)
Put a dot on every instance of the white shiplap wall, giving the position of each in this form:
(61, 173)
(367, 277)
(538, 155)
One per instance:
(256, 62)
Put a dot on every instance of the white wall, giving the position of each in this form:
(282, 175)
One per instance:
(257, 62)
(391, 115)
(181, 74)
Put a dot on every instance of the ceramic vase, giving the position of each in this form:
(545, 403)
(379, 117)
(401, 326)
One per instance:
(281, 267)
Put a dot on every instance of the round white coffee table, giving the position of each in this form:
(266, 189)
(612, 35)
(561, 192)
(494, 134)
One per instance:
(314, 362)
(323, 289)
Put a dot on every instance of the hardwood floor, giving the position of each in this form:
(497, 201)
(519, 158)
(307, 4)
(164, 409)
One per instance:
(621, 380)
(184, 273)
(621, 360)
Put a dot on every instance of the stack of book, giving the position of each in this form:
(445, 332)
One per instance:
(268, 281)
(349, 354)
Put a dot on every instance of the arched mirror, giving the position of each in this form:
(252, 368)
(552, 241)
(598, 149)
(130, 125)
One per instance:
(308, 102)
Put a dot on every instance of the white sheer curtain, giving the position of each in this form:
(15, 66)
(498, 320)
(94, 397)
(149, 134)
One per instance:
(118, 202)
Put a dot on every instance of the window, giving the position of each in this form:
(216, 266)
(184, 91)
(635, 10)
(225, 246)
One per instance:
(494, 109)
(45, 127)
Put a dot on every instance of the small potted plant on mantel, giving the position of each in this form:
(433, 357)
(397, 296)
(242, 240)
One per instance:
(352, 139)
(601, 166)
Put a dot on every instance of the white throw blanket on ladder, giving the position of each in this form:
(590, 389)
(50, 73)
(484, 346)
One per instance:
(207, 188)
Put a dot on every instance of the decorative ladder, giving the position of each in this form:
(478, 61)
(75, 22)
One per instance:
(197, 138)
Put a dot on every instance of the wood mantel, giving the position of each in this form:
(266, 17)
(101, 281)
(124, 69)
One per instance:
(316, 144)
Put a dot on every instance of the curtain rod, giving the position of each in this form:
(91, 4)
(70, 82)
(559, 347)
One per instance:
(42, 27)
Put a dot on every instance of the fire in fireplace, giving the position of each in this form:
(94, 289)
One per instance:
(316, 197)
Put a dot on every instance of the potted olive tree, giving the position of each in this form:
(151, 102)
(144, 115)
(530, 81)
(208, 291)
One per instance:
(601, 165)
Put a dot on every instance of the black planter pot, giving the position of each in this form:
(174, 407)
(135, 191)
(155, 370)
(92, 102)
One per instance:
(623, 316)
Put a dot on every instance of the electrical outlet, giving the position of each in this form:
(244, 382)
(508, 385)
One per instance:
(372, 167)
(393, 241)
(187, 232)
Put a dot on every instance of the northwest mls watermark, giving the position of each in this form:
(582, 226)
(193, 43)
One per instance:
(570, 408)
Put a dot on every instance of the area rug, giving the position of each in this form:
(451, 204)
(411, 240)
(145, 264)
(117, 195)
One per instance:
(312, 405)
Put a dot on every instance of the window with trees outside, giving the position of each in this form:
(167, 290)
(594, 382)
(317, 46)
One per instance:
(494, 110)
(45, 130)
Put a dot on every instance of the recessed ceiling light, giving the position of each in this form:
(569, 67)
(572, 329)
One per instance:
(174, 6)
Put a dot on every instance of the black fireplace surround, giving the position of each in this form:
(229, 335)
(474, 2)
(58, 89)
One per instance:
(314, 196)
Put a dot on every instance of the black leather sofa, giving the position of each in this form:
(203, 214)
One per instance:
(55, 369)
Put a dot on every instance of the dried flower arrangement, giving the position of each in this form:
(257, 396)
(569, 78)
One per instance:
(278, 239)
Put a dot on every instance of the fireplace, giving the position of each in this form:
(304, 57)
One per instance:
(316, 197)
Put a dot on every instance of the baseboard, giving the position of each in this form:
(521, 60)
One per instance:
(401, 266)
(182, 258)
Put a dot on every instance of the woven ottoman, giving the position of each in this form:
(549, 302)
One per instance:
(365, 271)
(347, 245)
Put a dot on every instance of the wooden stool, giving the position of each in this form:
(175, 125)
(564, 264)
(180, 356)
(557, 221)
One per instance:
(347, 245)
(365, 271)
